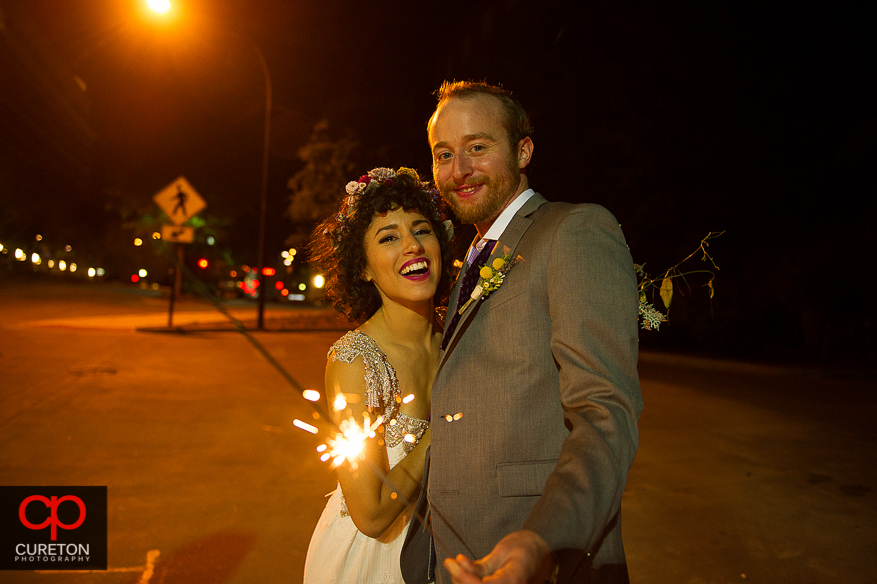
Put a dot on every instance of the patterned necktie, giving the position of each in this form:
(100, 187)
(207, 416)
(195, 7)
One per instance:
(470, 278)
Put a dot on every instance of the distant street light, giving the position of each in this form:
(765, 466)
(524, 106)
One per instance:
(164, 6)
(159, 6)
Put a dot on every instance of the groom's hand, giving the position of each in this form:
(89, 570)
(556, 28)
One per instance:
(521, 557)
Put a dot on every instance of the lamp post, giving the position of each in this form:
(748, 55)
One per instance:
(263, 199)
(163, 7)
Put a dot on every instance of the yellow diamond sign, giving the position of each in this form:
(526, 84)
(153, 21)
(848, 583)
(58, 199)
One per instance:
(180, 201)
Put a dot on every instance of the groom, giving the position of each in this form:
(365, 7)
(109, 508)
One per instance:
(536, 399)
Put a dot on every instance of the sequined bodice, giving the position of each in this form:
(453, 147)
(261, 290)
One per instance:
(381, 387)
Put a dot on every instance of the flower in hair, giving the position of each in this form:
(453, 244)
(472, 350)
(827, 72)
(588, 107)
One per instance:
(382, 175)
(412, 173)
(375, 178)
(354, 187)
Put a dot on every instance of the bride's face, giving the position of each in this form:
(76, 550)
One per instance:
(403, 257)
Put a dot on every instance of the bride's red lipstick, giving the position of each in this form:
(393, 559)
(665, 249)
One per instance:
(412, 276)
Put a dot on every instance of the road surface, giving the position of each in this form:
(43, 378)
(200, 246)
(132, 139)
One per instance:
(746, 473)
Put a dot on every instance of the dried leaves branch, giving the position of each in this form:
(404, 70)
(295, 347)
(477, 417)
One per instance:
(651, 318)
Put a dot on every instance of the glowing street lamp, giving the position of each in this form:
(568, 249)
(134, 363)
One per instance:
(159, 6)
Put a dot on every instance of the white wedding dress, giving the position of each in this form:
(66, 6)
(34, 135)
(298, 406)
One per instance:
(338, 552)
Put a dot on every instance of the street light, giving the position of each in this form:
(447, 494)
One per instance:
(163, 7)
(159, 6)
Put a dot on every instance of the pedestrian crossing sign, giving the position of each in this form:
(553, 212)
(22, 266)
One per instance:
(178, 233)
(180, 201)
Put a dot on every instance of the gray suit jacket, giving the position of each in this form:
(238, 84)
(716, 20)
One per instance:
(541, 376)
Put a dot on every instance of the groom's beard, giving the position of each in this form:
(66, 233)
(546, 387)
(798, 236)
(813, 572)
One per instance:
(490, 202)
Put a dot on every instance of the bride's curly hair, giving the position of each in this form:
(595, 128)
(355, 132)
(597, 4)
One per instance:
(337, 245)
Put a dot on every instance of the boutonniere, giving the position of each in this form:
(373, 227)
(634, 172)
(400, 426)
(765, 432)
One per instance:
(491, 277)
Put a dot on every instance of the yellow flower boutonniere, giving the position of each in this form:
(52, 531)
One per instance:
(491, 278)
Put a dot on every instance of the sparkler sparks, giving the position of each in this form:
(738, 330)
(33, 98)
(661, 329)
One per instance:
(311, 395)
(349, 443)
(304, 426)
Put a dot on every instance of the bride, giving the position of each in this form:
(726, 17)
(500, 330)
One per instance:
(387, 262)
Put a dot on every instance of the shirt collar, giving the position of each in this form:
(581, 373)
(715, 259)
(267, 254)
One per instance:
(505, 218)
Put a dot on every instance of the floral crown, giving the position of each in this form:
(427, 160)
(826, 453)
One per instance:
(368, 182)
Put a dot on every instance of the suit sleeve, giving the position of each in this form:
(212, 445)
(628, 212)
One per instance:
(593, 307)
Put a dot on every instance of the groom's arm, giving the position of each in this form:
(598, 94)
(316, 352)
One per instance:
(593, 305)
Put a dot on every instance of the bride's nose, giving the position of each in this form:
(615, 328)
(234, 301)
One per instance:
(413, 245)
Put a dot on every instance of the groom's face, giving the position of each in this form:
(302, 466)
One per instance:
(474, 165)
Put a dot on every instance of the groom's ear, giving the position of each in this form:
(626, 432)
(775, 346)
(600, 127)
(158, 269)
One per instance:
(525, 152)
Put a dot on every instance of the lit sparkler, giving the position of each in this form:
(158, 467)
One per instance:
(349, 443)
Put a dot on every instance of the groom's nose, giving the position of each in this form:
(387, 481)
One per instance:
(462, 168)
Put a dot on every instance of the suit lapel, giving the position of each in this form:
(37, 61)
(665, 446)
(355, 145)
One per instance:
(505, 245)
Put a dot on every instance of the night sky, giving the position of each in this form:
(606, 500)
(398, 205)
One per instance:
(680, 117)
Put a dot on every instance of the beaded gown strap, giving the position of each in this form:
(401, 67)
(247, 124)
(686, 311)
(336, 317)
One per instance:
(381, 385)
(382, 391)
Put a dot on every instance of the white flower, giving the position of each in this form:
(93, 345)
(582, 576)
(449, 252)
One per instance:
(652, 318)
(354, 187)
(382, 174)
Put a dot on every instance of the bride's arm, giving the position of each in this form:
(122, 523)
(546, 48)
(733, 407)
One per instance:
(373, 505)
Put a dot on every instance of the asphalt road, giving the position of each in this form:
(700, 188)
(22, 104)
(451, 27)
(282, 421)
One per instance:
(746, 473)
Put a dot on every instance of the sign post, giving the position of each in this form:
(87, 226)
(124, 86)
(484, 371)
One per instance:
(180, 201)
